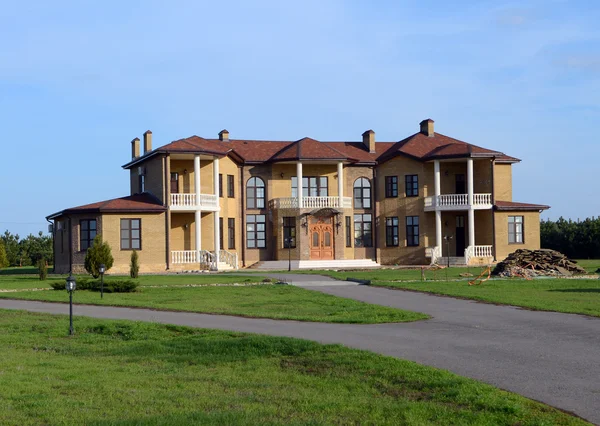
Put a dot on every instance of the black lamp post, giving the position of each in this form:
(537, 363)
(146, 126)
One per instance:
(102, 269)
(447, 238)
(70, 286)
(289, 246)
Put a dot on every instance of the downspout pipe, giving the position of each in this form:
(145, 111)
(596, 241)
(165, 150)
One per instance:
(53, 242)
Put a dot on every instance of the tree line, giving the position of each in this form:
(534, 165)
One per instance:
(577, 240)
(17, 251)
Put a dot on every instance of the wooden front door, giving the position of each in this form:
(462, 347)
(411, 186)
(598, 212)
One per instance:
(461, 184)
(174, 183)
(460, 236)
(321, 241)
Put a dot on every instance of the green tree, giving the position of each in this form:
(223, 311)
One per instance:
(134, 267)
(42, 269)
(11, 245)
(3, 258)
(99, 253)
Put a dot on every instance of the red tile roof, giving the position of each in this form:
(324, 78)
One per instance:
(145, 203)
(513, 206)
(418, 146)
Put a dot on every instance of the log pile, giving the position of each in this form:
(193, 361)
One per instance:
(533, 263)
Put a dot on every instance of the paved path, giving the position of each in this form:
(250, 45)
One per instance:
(550, 357)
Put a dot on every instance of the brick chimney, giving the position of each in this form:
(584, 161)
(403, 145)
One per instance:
(224, 135)
(147, 141)
(135, 148)
(427, 127)
(369, 140)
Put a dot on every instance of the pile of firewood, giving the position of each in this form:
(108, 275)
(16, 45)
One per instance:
(532, 263)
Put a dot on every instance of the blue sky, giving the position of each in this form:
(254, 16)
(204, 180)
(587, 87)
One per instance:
(80, 80)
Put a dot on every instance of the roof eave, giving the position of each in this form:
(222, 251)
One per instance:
(532, 208)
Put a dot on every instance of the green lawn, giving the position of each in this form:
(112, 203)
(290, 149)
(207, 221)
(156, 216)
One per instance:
(262, 301)
(129, 373)
(579, 296)
(32, 281)
(408, 274)
(590, 265)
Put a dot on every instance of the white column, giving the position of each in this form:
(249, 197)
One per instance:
(198, 213)
(340, 173)
(299, 178)
(438, 213)
(198, 228)
(470, 201)
(216, 191)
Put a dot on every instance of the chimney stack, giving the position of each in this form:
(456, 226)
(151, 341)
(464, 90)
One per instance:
(427, 127)
(369, 140)
(147, 141)
(135, 148)
(224, 135)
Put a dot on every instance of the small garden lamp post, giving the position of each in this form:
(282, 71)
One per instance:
(288, 241)
(447, 238)
(70, 286)
(102, 269)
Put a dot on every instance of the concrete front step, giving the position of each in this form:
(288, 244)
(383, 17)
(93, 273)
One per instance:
(223, 266)
(316, 264)
(443, 261)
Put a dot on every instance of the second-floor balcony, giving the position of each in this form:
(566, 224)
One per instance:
(188, 202)
(311, 203)
(457, 202)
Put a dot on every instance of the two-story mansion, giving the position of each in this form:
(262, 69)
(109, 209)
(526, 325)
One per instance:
(223, 202)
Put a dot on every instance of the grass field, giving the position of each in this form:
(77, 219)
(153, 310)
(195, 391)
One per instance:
(127, 373)
(590, 265)
(261, 301)
(32, 281)
(579, 296)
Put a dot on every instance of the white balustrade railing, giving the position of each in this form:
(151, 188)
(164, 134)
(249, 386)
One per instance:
(457, 200)
(478, 251)
(230, 258)
(311, 203)
(434, 253)
(188, 201)
(202, 258)
(482, 199)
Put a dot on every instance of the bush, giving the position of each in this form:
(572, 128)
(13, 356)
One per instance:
(3, 257)
(112, 286)
(134, 267)
(99, 253)
(42, 269)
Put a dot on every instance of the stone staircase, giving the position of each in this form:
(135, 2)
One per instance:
(282, 265)
(454, 261)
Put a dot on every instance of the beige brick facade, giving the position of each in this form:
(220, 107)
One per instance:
(175, 228)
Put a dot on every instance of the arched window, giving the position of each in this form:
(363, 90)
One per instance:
(255, 193)
(362, 193)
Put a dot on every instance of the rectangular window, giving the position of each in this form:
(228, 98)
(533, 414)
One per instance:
(230, 187)
(363, 235)
(142, 183)
(312, 186)
(515, 229)
(256, 231)
(412, 231)
(131, 234)
(348, 231)
(231, 233)
(87, 233)
(412, 185)
(391, 186)
(391, 232)
(221, 233)
(289, 232)
(220, 185)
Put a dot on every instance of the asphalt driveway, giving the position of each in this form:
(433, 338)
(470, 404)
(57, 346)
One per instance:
(550, 357)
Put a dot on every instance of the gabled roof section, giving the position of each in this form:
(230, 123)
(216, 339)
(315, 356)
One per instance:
(513, 206)
(308, 149)
(193, 144)
(425, 148)
(138, 203)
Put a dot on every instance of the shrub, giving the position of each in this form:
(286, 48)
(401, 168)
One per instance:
(3, 257)
(42, 269)
(134, 267)
(96, 255)
(112, 286)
